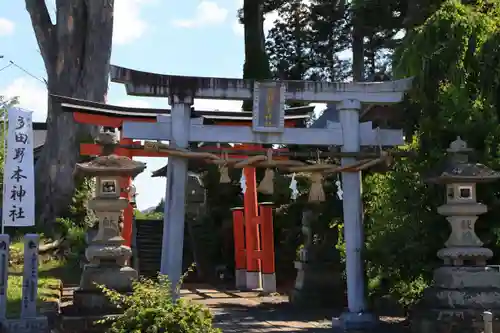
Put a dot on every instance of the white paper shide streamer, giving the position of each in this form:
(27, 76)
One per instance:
(340, 192)
(293, 187)
(19, 188)
(243, 182)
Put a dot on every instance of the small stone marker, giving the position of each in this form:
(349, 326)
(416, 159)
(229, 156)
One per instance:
(27, 325)
(4, 273)
(488, 322)
(30, 276)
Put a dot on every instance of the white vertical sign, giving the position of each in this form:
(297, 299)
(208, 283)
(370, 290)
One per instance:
(19, 188)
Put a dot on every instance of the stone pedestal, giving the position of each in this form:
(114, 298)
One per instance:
(318, 285)
(464, 287)
(90, 299)
(457, 300)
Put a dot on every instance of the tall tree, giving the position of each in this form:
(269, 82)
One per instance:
(329, 22)
(306, 39)
(76, 50)
(289, 42)
(256, 61)
(358, 42)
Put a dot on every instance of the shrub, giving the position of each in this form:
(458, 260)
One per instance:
(150, 308)
(74, 235)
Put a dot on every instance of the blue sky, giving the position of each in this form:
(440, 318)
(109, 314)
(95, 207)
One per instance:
(196, 37)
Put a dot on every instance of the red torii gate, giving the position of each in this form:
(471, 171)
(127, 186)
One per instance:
(251, 224)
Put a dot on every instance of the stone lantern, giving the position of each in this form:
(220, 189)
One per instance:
(319, 275)
(464, 286)
(106, 253)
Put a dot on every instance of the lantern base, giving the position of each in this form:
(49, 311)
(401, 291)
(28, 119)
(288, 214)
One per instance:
(457, 299)
(96, 253)
(112, 277)
(317, 285)
(453, 321)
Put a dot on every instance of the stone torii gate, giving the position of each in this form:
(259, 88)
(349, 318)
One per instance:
(268, 128)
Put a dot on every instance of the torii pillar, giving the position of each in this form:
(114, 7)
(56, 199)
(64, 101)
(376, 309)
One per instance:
(357, 317)
(175, 198)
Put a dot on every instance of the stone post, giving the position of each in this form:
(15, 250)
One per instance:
(4, 273)
(30, 276)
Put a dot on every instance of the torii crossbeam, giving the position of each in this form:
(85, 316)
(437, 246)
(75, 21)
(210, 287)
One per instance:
(269, 99)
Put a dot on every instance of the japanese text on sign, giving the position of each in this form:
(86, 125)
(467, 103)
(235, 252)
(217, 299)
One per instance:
(30, 276)
(18, 197)
(269, 103)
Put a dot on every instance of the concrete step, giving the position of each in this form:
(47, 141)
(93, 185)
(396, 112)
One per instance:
(82, 324)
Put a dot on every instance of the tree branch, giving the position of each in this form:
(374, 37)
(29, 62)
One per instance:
(42, 26)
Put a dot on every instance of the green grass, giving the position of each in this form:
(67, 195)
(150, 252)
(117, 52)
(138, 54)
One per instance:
(50, 274)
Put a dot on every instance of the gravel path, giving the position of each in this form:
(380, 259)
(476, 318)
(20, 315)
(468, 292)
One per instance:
(250, 312)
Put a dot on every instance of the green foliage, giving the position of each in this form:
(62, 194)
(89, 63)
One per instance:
(151, 309)
(78, 210)
(148, 216)
(450, 98)
(74, 236)
(400, 214)
(160, 208)
(77, 219)
(305, 42)
(155, 214)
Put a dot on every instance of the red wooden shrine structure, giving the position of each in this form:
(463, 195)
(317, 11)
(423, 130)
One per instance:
(252, 224)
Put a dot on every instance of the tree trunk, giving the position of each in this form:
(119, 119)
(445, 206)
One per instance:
(76, 52)
(256, 61)
(358, 50)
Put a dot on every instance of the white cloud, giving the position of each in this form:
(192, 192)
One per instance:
(32, 96)
(206, 13)
(129, 25)
(6, 27)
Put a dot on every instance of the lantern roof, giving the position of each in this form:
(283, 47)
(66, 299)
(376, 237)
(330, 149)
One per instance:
(109, 164)
(458, 169)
